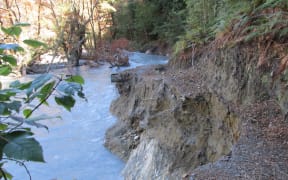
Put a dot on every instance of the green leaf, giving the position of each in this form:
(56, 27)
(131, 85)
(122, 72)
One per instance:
(17, 84)
(69, 88)
(14, 30)
(22, 24)
(7, 174)
(81, 95)
(3, 127)
(33, 120)
(14, 105)
(76, 79)
(46, 90)
(19, 133)
(3, 142)
(21, 147)
(37, 125)
(29, 121)
(20, 49)
(38, 83)
(66, 101)
(4, 110)
(6, 94)
(34, 43)
(27, 113)
(42, 117)
(5, 70)
(10, 59)
(7, 107)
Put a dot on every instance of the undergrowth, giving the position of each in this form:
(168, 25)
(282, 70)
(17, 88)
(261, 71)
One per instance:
(265, 24)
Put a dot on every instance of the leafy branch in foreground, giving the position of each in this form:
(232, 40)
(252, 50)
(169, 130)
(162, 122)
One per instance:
(20, 100)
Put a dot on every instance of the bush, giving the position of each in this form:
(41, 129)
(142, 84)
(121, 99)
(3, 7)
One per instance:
(16, 140)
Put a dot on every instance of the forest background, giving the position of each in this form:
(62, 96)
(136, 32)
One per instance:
(68, 26)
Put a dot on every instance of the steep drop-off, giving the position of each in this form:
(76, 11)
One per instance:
(220, 115)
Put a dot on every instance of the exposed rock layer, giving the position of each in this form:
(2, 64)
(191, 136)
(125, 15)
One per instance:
(174, 120)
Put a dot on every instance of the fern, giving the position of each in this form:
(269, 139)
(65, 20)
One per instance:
(245, 20)
(179, 46)
(283, 32)
(272, 4)
(252, 35)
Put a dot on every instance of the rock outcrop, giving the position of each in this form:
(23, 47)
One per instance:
(173, 120)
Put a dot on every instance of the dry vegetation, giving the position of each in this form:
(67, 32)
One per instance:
(67, 26)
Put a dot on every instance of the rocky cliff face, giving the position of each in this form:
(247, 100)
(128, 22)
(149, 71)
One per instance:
(172, 120)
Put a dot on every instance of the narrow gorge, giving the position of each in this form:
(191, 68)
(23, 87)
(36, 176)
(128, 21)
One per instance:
(215, 115)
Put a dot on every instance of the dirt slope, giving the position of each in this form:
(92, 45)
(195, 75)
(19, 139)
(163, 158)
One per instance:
(220, 116)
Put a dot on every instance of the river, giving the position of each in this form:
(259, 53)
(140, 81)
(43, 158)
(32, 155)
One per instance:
(73, 147)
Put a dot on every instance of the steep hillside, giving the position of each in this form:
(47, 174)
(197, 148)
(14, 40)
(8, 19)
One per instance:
(219, 109)
(223, 116)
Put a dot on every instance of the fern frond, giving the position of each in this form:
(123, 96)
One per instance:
(252, 35)
(271, 4)
(283, 32)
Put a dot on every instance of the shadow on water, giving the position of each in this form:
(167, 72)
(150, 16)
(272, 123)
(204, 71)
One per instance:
(73, 147)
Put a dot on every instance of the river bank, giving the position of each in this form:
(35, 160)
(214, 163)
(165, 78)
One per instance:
(217, 118)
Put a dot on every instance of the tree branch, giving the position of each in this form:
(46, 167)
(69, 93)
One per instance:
(21, 164)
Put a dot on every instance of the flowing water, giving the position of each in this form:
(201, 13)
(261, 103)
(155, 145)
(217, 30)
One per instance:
(73, 147)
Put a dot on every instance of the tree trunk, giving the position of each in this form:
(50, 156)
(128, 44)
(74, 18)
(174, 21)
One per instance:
(10, 15)
(76, 40)
(38, 18)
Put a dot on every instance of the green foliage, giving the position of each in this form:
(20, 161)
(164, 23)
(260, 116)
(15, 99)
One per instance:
(12, 31)
(27, 113)
(76, 79)
(148, 20)
(5, 70)
(179, 46)
(22, 146)
(16, 141)
(9, 59)
(186, 23)
(248, 19)
(34, 43)
(270, 23)
(65, 101)
(21, 24)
